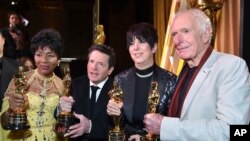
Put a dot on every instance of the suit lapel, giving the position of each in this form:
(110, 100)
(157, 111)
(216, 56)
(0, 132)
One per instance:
(103, 98)
(200, 78)
(128, 95)
(198, 82)
(86, 98)
(7, 74)
(82, 95)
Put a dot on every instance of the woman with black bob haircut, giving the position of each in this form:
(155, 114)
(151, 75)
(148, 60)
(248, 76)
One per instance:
(136, 82)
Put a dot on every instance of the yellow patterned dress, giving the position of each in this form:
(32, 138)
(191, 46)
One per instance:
(40, 118)
(45, 132)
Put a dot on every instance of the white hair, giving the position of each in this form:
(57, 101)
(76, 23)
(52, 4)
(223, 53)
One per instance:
(202, 20)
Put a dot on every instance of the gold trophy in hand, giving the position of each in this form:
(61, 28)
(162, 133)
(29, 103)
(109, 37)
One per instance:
(17, 119)
(116, 134)
(65, 119)
(153, 100)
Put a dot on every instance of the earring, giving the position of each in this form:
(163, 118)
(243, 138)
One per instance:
(58, 64)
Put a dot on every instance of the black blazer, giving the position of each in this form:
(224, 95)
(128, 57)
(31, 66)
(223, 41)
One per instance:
(9, 68)
(126, 81)
(101, 121)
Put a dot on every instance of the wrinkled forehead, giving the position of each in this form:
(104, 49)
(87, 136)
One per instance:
(182, 20)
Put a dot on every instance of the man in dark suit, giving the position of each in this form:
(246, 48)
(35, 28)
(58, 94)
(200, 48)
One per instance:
(94, 121)
(8, 67)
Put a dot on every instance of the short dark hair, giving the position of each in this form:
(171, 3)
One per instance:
(15, 13)
(47, 37)
(144, 32)
(106, 50)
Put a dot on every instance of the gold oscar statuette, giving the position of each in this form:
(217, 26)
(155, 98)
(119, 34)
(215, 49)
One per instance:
(100, 35)
(65, 119)
(210, 8)
(17, 120)
(153, 100)
(116, 134)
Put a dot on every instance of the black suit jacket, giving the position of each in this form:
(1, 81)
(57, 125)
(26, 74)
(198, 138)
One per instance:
(9, 68)
(101, 121)
(126, 80)
(9, 45)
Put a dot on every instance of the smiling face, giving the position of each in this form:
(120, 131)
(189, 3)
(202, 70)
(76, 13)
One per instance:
(189, 40)
(46, 61)
(142, 54)
(98, 67)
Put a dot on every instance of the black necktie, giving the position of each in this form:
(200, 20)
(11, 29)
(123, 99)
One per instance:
(93, 99)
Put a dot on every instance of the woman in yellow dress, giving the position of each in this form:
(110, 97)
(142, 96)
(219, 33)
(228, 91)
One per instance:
(42, 93)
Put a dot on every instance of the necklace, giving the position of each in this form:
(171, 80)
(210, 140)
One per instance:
(38, 76)
(145, 75)
(44, 89)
